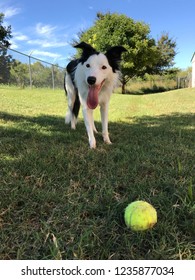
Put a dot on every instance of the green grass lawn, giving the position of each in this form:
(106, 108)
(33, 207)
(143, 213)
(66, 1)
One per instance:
(61, 200)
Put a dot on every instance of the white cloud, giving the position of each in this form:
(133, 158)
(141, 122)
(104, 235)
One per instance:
(46, 36)
(55, 44)
(45, 54)
(35, 42)
(47, 43)
(14, 46)
(44, 29)
(19, 36)
(10, 11)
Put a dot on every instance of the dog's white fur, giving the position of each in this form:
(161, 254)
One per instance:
(97, 66)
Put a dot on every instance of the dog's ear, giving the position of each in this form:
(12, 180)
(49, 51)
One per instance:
(114, 56)
(87, 50)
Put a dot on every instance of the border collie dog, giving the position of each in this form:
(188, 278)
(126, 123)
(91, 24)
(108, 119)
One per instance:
(89, 81)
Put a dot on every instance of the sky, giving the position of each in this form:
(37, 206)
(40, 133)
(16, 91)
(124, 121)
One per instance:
(46, 29)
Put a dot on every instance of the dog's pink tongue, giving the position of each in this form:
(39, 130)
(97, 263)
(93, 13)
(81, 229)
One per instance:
(92, 99)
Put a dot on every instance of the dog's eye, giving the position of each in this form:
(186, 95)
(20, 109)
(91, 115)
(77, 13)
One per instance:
(104, 67)
(88, 65)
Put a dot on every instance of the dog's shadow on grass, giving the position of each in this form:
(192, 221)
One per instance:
(143, 144)
(145, 130)
(161, 140)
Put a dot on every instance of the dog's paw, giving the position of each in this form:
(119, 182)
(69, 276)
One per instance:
(92, 143)
(68, 118)
(106, 139)
(73, 125)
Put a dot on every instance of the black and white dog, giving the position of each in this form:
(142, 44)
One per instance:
(89, 81)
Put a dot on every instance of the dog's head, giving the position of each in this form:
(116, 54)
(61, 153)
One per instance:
(97, 68)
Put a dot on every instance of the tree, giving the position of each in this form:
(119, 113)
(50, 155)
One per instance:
(58, 76)
(19, 73)
(114, 29)
(143, 52)
(5, 33)
(42, 75)
(5, 60)
(166, 49)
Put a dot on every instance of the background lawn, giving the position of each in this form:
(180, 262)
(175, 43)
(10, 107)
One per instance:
(61, 200)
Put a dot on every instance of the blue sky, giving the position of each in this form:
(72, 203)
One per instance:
(46, 28)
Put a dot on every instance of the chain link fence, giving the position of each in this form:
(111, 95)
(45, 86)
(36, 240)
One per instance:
(17, 68)
(20, 69)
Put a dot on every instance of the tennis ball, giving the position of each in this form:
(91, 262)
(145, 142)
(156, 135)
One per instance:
(140, 215)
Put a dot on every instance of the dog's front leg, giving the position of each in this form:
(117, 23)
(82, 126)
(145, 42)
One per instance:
(89, 123)
(104, 119)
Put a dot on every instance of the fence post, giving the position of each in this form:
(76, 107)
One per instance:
(30, 72)
(52, 73)
(178, 82)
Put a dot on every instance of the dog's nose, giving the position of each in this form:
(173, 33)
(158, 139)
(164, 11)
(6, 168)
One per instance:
(91, 80)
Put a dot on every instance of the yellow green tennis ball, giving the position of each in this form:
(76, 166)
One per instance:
(140, 215)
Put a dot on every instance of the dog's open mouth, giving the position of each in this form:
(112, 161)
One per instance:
(92, 99)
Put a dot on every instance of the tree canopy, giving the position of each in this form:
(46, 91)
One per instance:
(5, 36)
(144, 54)
(167, 50)
(5, 33)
